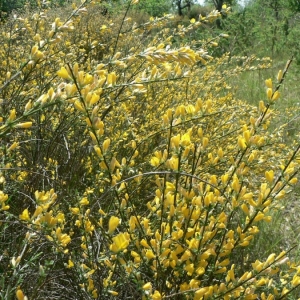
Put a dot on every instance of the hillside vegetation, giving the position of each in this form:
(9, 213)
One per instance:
(133, 168)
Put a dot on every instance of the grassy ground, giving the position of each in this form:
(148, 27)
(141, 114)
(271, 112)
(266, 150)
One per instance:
(283, 232)
(251, 88)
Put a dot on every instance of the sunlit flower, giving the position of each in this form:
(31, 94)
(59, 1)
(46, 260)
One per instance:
(120, 242)
(113, 224)
(25, 215)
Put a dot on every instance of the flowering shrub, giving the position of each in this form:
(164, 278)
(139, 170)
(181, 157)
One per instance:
(129, 169)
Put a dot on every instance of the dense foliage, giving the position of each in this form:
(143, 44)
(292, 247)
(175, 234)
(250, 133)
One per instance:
(129, 169)
(269, 27)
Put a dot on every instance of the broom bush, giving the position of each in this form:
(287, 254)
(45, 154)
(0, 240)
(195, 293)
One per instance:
(129, 169)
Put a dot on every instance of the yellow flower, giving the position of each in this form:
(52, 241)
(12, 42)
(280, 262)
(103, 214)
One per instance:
(170, 187)
(275, 96)
(79, 106)
(3, 197)
(200, 292)
(95, 98)
(120, 242)
(113, 224)
(95, 294)
(111, 79)
(25, 215)
(190, 269)
(156, 296)
(270, 259)
(150, 254)
(186, 255)
(114, 293)
(230, 274)
(12, 115)
(74, 210)
(204, 142)
(175, 140)
(20, 295)
(154, 161)
(242, 143)
(4, 207)
(279, 75)
(106, 144)
(84, 201)
(268, 83)
(269, 93)
(63, 73)
(147, 286)
(296, 281)
(24, 125)
(269, 176)
(185, 139)
(13, 146)
(200, 271)
(70, 264)
(293, 180)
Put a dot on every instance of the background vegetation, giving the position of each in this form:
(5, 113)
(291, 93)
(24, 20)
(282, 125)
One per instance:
(147, 155)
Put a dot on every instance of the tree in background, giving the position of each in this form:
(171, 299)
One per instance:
(294, 5)
(218, 4)
(155, 8)
(269, 26)
(7, 6)
(181, 5)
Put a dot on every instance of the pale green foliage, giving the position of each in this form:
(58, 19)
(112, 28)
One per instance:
(154, 8)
